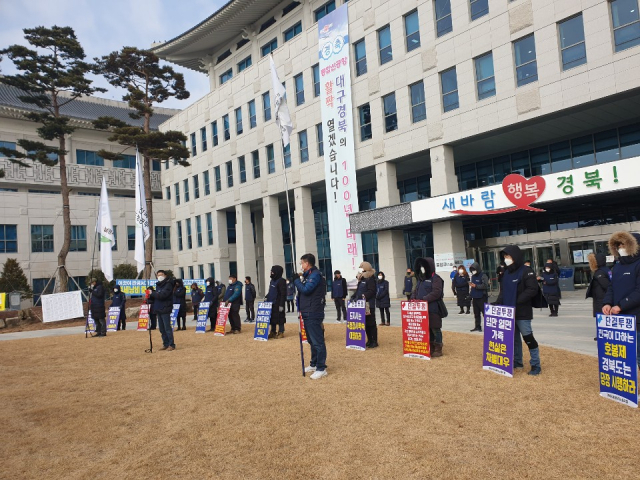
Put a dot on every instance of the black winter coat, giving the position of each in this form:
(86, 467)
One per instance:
(430, 289)
(598, 288)
(523, 280)
(551, 287)
(97, 302)
(162, 297)
(277, 295)
(367, 289)
(460, 285)
(382, 294)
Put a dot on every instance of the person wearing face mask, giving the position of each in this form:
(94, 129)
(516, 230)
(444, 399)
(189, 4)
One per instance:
(454, 271)
(162, 299)
(551, 288)
(277, 295)
(250, 298)
(460, 286)
(410, 283)
(366, 290)
(291, 295)
(338, 294)
(196, 297)
(180, 298)
(600, 281)
(623, 294)
(233, 298)
(211, 296)
(430, 289)
(383, 301)
(479, 294)
(119, 299)
(519, 287)
(96, 305)
(312, 290)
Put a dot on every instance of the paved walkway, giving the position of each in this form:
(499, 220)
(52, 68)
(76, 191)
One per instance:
(573, 330)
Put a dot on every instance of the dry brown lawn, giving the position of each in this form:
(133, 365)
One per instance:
(77, 408)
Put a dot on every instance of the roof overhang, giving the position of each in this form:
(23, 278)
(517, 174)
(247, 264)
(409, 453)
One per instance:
(234, 18)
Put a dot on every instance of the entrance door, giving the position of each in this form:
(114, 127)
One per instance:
(543, 253)
(489, 265)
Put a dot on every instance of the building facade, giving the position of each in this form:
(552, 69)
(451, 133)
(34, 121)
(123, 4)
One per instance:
(449, 96)
(31, 227)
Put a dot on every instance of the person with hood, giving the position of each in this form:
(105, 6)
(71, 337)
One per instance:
(250, 298)
(211, 296)
(119, 299)
(338, 294)
(196, 297)
(430, 289)
(479, 293)
(180, 298)
(551, 287)
(410, 283)
(291, 295)
(312, 290)
(153, 318)
(162, 299)
(600, 281)
(233, 298)
(277, 295)
(383, 300)
(96, 305)
(623, 294)
(519, 287)
(366, 290)
(460, 286)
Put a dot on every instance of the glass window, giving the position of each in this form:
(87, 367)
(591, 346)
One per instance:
(484, 172)
(520, 163)
(418, 108)
(200, 271)
(289, 8)
(572, 47)
(540, 161)
(607, 146)
(185, 184)
(217, 176)
(131, 238)
(176, 187)
(485, 81)
(364, 113)
(384, 45)
(267, 24)
(196, 187)
(194, 148)
(8, 239)
(212, 270)
(298, 82)
(467, 177)
(449, 84)
(229, 168)
(390, 113)
(582, 152)
(269, 47)
(271, 162)
(525, 56)
(223, 57)
(199, 230)
(316, 80)
(210, 228)
(479, 8)
(324, 10)
(502, 168)
(85, 157)
(207, 187)
(225, 124)
(242, 169)
(255, 157)
(231, 226)
(630, 141)
(127, 161)
(287, 156)
(244, 64)
(239, 128)
(626, 23)
(214, 133)
(167, 193)
(360, 51)
(189, 240)
(253, 119)
(304, 146)
(560, 156)
(226, 76)
(293, 31)
(320, 137)
(412, 30)
(266, 106)
(203, 137)
(443, 17)
(78, 238)
(163, 238)
(9, 146)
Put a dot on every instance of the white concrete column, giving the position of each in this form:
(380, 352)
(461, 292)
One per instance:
(272, 236)
(443, 171)
(305, 228)
(245, 247)
(221, 242)
(387, 192)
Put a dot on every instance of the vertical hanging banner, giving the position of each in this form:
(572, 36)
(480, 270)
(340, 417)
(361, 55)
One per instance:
(143, 318)
(499, 331)
(356, 337)
(3, 301)
(112, 319)
(337, 134)
(221, 321)
(174, 315)
(303, 332)
(415, 330)
(263, 318)
(91, 324)
(203, 316)
(617, 340)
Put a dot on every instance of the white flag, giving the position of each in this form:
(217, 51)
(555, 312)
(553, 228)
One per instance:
(283, 119)
(104, 229)
(142, 218)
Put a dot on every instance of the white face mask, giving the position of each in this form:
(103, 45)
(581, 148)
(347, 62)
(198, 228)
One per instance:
(230, 281)
(622, 252)
(360, 270)
(379, 277)
(208, 283)
(461, 272)
(161, 278)
(423, 270)
(115, 291)
(473, 272)
(547, 269)
(508, 261)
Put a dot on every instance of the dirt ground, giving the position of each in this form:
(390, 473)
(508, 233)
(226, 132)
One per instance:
(231, 407)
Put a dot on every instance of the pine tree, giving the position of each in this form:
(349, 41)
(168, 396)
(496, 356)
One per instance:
(13, 279)
(125, 271)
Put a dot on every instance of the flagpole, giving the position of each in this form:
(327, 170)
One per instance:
(93, 256)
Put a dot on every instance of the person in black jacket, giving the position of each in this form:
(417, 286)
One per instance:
(460, 286)
(600, 281)
(430, 288)
(180, 297)
(367, 290)
(196, 297)
(153, 318)
(162, 299)
(383, 301)
(519, 287)
(96, 305)
(250, 298)
(277, 295)
(211, 295)
(119, 299)
(291, 295)
(338, 294)
(551, 287)
(479, 284)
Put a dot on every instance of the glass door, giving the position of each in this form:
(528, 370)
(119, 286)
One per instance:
(543, 253)
(489, 265)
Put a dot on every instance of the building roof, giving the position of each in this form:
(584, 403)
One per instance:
(86, 109)
(219, 28)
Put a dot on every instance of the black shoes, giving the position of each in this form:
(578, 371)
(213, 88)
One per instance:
(476, 329)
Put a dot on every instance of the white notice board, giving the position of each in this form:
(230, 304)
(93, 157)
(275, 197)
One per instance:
(62, 306)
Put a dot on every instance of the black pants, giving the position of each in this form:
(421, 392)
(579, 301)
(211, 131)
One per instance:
(370, 328)
(153, 319)
(122, 320)
(251, 313)
(478, 310)
(408, 298)
(290, 306)
(340, 308)
(384, 310)
(234, 318)
(101, 325)
(213, 315)
(554, 309)
(196, 307)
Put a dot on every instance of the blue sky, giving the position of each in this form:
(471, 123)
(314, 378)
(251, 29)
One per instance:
(103, 26)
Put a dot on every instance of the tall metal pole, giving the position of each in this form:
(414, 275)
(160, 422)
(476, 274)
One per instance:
(93, 256)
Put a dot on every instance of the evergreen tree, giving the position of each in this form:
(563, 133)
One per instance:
(13, 279)
(125, 271)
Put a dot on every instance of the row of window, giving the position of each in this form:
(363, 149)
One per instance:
(87, 157)
(42, 238)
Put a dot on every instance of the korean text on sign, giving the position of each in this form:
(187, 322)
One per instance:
(415, 330)
(499, 332)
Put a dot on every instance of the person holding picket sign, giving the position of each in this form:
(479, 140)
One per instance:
(119, 299)
(479, 284)
(211, 296)
(430, 289)
(196, 297)
(366, 290)
(179, 298)
(383, 301)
